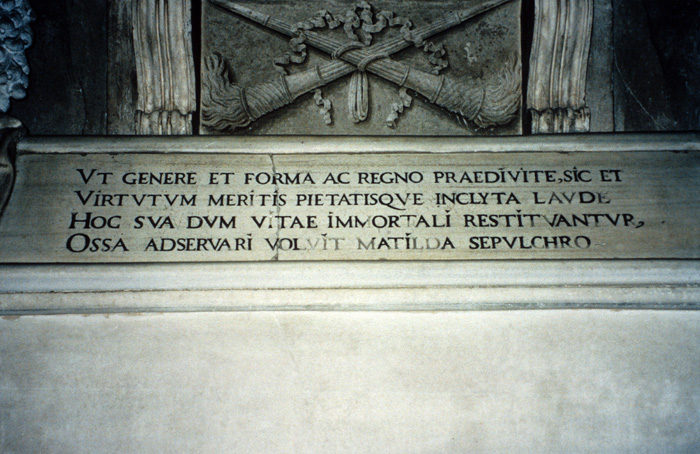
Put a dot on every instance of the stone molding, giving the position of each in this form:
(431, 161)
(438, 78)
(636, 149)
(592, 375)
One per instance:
(343, 286)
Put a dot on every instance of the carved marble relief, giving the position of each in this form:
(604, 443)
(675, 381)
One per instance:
(164, 66)
(339, 67)
(15, 37)
(556, 95)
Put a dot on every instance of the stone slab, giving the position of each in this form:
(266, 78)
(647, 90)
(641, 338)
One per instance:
(481, 382)
(258, 204)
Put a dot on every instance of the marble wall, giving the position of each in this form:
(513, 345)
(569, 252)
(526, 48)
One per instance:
(349, 382)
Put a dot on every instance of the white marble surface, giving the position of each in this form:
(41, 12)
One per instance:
(343, 286)
(352, 382)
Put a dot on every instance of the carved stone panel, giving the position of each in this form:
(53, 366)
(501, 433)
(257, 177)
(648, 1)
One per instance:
(361, 68)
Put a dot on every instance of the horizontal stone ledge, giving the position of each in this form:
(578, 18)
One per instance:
(75, 278)
(602, 142)
(343, 300)
(350, 286)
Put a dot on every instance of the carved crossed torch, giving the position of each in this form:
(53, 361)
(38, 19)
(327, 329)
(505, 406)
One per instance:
(227, 106)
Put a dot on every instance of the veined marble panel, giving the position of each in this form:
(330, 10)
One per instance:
(380, 382)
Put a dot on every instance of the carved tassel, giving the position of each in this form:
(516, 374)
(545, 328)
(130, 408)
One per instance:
(358, 97)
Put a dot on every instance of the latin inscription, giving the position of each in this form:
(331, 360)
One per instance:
(351, 207)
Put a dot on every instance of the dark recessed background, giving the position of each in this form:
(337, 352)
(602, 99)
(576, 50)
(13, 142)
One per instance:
(656, 65)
